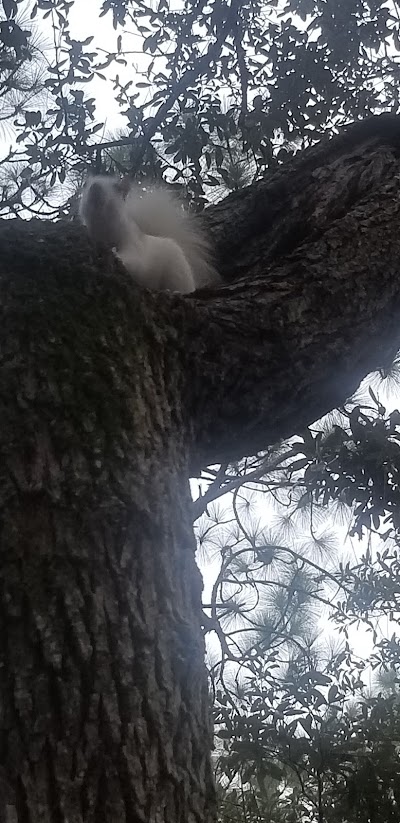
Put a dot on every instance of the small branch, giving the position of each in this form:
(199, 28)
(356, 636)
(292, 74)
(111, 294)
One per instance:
(190, 76)
(215, 491)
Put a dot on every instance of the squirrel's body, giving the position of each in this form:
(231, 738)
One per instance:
(158, 242)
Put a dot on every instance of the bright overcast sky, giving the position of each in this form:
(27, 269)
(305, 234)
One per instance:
(85, 22)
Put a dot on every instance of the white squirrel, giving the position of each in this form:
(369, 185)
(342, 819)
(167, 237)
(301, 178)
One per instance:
(159, 243)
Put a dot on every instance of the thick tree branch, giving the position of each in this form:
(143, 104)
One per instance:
(296, 203)
(319, 307)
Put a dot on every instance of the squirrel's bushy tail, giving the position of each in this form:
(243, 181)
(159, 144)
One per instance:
(159, 213)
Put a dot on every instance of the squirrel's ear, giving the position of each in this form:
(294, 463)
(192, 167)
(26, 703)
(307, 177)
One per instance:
(123, 185)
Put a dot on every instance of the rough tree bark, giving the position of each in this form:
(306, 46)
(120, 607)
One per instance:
(109, 397)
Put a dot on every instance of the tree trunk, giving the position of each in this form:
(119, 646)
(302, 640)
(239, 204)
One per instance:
(109, 395)
(103, 692)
